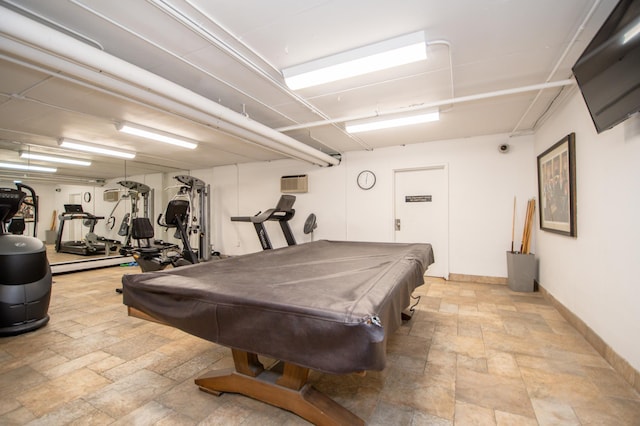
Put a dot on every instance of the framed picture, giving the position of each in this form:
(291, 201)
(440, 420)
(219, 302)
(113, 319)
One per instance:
(27, 209)
(557, 187)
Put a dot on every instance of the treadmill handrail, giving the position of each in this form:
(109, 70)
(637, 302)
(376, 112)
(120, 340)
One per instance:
(79, 215)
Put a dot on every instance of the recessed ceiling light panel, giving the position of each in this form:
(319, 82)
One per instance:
(27, 167)
(95, 149)
(53, 159)
(156, 135)
(374, 57)
(389, 122)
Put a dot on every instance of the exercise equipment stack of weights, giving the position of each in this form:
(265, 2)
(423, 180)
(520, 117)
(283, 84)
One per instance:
(135, 192)
(199, 218)
(25, 278)
(189, 212)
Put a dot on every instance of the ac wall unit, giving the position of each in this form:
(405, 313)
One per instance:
(297, 183)
(111, 195)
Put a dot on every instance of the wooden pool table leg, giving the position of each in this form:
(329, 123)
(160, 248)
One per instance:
(288, 390)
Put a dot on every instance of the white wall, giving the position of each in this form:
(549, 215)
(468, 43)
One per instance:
(246, 189)
(482, 185)
(595, 275)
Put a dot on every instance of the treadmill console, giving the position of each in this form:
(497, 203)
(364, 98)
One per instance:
(73, 208)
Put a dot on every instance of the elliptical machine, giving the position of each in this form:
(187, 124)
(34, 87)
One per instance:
(25, 282)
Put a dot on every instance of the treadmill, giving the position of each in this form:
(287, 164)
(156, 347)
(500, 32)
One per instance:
(83, 247)
(282, 213)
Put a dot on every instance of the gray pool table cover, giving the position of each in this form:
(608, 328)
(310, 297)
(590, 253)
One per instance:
(324, 305)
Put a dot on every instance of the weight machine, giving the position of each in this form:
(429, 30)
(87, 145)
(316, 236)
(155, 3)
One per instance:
(135, 191)
(189, 212)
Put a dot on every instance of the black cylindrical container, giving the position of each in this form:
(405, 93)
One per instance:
(25, 284)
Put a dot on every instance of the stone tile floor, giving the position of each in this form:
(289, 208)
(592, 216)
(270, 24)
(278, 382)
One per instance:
(473, 354)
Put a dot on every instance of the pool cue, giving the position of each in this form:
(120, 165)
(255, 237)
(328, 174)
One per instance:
(524, 230)
(513, 223)
(526, 236)
(531, 210)
(53, 220)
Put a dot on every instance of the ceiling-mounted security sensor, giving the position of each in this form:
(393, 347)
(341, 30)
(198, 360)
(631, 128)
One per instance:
(503, 148)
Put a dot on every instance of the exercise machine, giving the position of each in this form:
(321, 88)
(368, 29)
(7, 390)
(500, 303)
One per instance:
(92, 244)
(155, 255)
(188, 213)
(17, 224)
(152, 254)
(177, 216)
(25, 280)
(282, 213)
(135, 192)
(191, 206)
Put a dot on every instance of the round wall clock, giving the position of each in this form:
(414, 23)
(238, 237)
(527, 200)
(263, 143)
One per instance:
(366, 179)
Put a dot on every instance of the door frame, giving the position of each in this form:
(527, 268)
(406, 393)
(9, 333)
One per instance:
(437, 166)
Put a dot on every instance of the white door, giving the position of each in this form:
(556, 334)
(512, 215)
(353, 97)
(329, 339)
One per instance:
(422, 212)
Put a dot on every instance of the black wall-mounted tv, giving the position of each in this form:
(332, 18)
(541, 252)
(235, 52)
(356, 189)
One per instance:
(608, 71)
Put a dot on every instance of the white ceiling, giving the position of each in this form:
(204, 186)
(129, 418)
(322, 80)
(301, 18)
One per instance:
(231, 53)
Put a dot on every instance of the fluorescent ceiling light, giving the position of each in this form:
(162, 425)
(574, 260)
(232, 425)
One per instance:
(385, 123)
(42, 157)
(28, 167)
(634, 31)
(156, 135)
(83, 146)
(374, 57)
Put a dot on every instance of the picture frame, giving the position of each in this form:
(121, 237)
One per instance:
(27, 209)
(557, 187)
